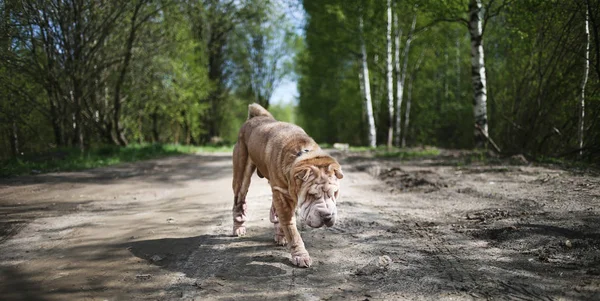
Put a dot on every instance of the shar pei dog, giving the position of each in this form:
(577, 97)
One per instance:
(300, 174)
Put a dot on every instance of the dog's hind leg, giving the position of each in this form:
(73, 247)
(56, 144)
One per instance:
(243, 168)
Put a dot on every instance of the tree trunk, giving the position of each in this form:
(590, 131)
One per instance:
(177, 131)
(595, 28)
(186, 128)
(6, 46)
(117, 98)
(155, 135)
(54, 118)
(77, 116)
(411, 78)
(401, 79)
(407, 110)
(390, 78)
(398, 34)
(478, 71)
(141, 126)
(446, 77)
(366, 88)
(66, 123)
(457, 96)
(14, 139)
(586, 70)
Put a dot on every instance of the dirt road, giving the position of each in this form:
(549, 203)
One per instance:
(435, 229)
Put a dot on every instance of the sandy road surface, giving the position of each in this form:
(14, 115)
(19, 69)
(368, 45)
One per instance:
(420, 230)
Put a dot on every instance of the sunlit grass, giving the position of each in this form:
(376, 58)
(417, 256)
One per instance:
(408, 153)
(383, 151)
(72, 159)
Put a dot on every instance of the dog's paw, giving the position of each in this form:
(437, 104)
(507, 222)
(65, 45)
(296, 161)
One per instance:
(301, 260)
(239, 230)
(279, 235)
(280, 240)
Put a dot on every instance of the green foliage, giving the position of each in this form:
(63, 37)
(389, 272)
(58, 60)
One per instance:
(534, 61)
(283, 112)
(183, 72)
(330, 106)
(137, 71)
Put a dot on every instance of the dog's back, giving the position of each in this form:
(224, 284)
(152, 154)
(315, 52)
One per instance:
(261, 125)
(263, 137)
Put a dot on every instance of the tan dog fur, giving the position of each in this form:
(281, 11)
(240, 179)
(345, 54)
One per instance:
(298, 172)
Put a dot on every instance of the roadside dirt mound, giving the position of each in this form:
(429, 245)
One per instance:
(418, 180)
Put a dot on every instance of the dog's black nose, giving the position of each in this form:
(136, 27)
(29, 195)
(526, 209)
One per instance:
(327, 219)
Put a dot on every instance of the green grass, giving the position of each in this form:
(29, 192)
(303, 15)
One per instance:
(404, 154)
(72, 159)
(382, 151)
(566, 163)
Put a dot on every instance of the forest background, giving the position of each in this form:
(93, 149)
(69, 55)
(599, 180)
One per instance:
(82, 74)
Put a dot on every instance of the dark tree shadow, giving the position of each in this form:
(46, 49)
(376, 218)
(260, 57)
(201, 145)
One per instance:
(205, 256)
(16, 286)
(169, 170)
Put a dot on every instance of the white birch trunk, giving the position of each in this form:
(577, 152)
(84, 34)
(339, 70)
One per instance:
(397, 35)
(478, 70)
(366, 87)
(401, 79)
(586, 70)
(390, 79)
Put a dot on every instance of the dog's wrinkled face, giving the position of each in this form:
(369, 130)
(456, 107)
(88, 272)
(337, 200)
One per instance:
(319, 190)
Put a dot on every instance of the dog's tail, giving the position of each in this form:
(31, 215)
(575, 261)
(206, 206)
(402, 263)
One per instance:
(255, 110)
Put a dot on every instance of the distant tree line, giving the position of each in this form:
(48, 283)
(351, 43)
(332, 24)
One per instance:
(459, 73)
(79, 73)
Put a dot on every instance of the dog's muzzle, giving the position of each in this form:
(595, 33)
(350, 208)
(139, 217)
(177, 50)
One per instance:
(319, 212)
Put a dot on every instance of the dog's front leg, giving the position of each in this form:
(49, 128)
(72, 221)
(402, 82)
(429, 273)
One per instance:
(285, 208)
(279, 235)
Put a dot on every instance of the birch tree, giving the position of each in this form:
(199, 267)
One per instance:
(401, 76)
(366, 86)
(390, 79)
(478, 70)
(586, 70)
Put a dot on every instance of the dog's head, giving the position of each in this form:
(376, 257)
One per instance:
(315, 184)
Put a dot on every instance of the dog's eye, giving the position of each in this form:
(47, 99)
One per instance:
(313, 191)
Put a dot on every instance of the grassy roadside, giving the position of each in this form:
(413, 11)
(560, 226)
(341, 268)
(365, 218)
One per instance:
(72, 159)
(383, 151)
(405, 154)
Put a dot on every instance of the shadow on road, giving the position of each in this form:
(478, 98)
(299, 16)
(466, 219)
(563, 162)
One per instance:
(205, 256)
(170, 170)
(16, 286)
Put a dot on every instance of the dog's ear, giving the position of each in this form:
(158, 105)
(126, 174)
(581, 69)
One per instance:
(337, 169)
(338, 173)
(304, 173)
